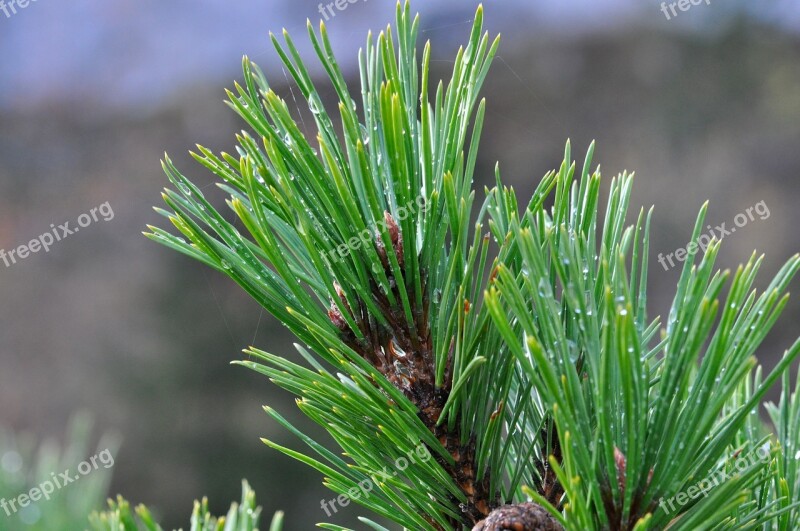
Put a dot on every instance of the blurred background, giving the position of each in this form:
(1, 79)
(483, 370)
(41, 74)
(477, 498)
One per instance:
(702, 104)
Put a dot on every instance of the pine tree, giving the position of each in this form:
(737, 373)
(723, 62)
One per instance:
(481, 366)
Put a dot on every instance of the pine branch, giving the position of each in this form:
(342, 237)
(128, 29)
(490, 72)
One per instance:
(385, 277)
(639, 420)
(545, 397)
(241, 517)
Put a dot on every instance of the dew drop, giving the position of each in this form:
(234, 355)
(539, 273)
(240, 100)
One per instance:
(437, 296)
(364, 135)
(314, 106)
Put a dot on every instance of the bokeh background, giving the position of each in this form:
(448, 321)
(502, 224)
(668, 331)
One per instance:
(703, 106)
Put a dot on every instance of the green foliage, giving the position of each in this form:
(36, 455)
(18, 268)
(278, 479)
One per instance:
(26, 463)
(240, 517)
(535, 374)
(786, 482)
(299, 204)
(640, 416)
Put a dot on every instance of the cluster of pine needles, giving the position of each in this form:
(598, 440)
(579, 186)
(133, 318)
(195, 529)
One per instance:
(512, 341)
